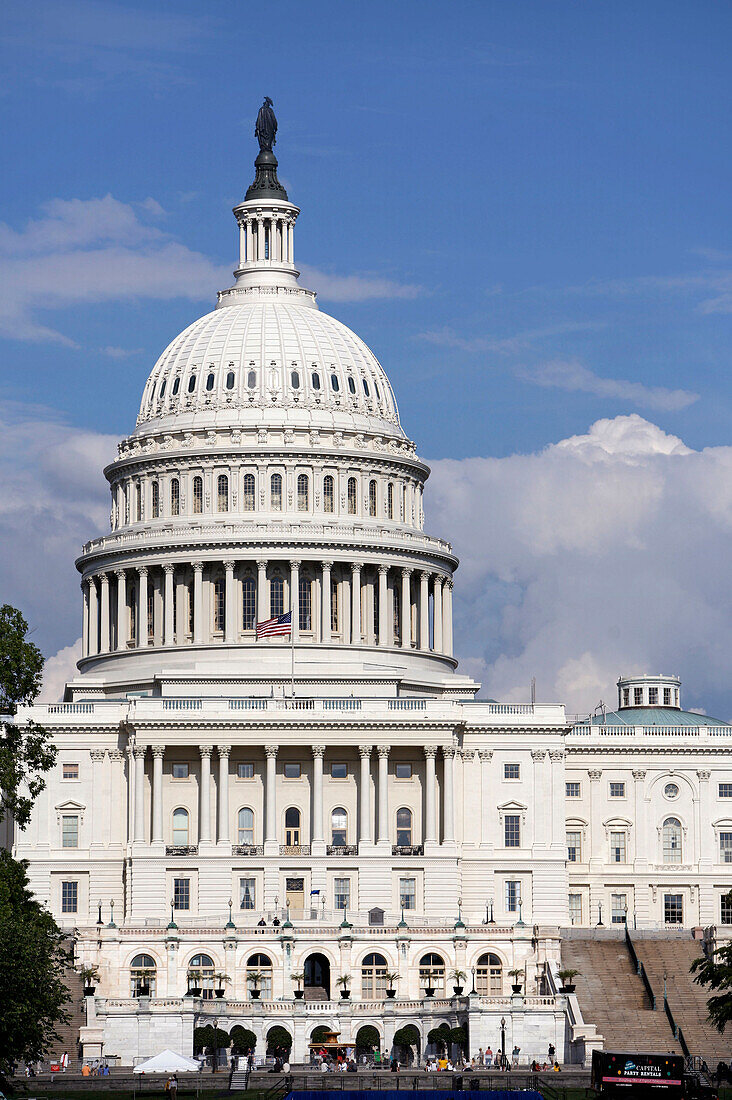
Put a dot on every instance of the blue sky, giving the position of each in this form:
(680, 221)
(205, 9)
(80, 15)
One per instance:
(523, 208)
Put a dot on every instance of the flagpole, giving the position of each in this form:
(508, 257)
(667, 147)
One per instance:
(292, 649)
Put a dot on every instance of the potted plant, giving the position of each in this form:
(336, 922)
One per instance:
(518, 980)
(429, 989)
(299, 978)
(344, 981)
(195, 978)
(458, 976)
(391, 977)
(221, 981)
(255, 979)
(566, 977)
(89, 975)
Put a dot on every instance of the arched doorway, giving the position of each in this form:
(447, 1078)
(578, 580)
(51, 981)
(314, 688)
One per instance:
(317, 978)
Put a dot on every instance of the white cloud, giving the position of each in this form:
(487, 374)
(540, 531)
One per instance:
(603, 554)
(573, 377)
(448, 338)
(355, 288)
(58, 670)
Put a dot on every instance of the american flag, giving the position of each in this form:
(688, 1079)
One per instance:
(281, 624)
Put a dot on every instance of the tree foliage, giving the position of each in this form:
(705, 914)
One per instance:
(368, 1038)
(715, 971)
(439, 1036)
(278, 1039)
(406, 1037)
(32, 963)
(242, 1040)
(25, 750)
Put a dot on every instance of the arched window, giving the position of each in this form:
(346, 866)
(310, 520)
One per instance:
(162, 390)
(192, 383)
(222, 485)
(352, 496)
(373, 977)
(249, 605)
(305, 603)
(276, 596)
(303, 493)
(138, 501)
(275, 492)
(404, 827)
(672, 840)
(175, 497)
(247, 502)
(328, 493)
(365, 387)
(351, 385)
(176, 387)
(180, 827)
(230, 379)
(155, 493)
(292, 827)
(210, 382)
(201, 974)
(143, 973)
(197, 496)
(489, 976)
(378, 393)
(251, 379)
(339, 827)
(390, 501)
(432, 972)
(372, 498)
(246, 826)
(295, 379)
(334, 383)
(261, 966)
(315, 377)
(219, 605)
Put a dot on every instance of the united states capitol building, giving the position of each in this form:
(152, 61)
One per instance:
(232, 821)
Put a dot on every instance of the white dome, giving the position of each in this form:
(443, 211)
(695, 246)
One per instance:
(285, 356)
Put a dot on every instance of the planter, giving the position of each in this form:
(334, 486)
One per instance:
(255, 994)
(568, 988)
(194, 991)
(457, 990)
(517, 987)
(299, 994)
(345, 994)
(429, 992)
(391, 993)
(219, 992)
(143, 991)
(89, 990)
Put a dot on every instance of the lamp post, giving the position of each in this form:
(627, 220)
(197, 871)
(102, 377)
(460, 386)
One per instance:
(472, 971)
(111, 915)
(230, 923)
(503, 1042)
(599, 914)
(100, 922)
(492, 920)
(171, 923)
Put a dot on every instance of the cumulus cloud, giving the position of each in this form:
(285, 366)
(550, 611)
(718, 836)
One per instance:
(603, 554)
(447, 338)
(355, 288)
(573, 377)
(57, 672)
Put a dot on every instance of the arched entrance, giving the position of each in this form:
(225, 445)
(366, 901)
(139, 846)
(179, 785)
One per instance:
(317, 978)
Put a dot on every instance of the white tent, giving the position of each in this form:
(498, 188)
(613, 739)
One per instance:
(168, 1062)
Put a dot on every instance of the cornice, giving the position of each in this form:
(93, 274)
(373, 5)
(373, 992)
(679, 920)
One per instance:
(630, 749)
(159, 459)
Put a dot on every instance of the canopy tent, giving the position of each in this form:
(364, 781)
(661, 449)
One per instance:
(168, 1062)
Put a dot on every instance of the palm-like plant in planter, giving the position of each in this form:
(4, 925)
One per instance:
(458, 977)
(89, 975)
(518, 980)
(567, 979)
(391, 977)
(255, 979)
(298, 979)
(427, 979)
(143, 981)
(344, 981)
(195, 980)
(221, 981)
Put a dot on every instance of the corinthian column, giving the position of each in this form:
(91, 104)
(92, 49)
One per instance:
(197, 602)
(158, 752)
(356, 604)
(204, 826)
(384, 633)
(122, 620)
(104, 615)
(365, 795)
(168, 623)
(270, 804)
(430, 824)
(318, 753)
(383, 833)
(295, 599)
(229, 601)
(139, 833)
(448, 826)
(142, 607)
(447, 617)
(326, 585)
(224, 835)
(93, 617)
(437, 612)
(85, 618)
(406, 615)
(424, 611)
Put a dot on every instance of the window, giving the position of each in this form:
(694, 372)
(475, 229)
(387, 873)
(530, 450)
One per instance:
(230, 379)
(245, 771)
(667, 697)
(725, 910)
(372, 498)
(351, 496)
(69, 897)
(617, 790)
(247, 893)
(341, 893)
(376, 389)
(222, 493)
(70, 771)
(219, 604)
(334, 589)
(351, 385)
(725, 790)
(292, 827)
(513, 895)
(262, 965)
(180, 827)
(408, 893)
(181, 893)
(305, 603)
(403, 771)
(249, 603)
(725, 847)
(489, 976)
(365, 387)
(175, 497)
(672, 840)
(575, 908)
(574, 845)
(303, 493)
(432, 972)
(338, 771)
(251, 379)
(246, 826)
(339, 828)
(142, 975)
(511, 771)
(295, 379)
(404, 827)
(180, 771)
(626, 697)
(617, 846)
(203, 964)
(69, 831)
(673, 909)
(292, 771)
(315, 379)
(638, 697)
(155, 492)
(328, 493)
(618, 908)
(276, 596)
(653, 696)
(390, 501)
(671, 790)
(248, 488)
(133, 614)
(373, 977)
(197, 496)
(512, 830)
(335, 385)
(572, 790)
(176, 386)
(192, 383)
(150, 613)
(275, 492)
(138, 501)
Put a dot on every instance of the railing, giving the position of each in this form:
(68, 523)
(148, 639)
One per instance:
(621, 730)
(247, 849)
(407, 704)
(181, 849)
(640, 970)
(294, 849)
(70, 708)
(407, 849)
(182, 704)
(341, 704)
(341, 849)
(678, 1033)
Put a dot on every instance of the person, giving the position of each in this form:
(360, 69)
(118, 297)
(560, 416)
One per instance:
(85, 1071)
(551, 1052)
(480, 1056)
(488, 1058)
(261, 923)
(173, 1090)
(323, 1065)
(556, 1067)
(352, 1067)
(515, 1055)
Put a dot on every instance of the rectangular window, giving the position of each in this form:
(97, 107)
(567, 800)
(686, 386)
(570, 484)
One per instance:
(334, 606)
(408, 893)
(403, 771)
(638, 697)
(70, 771)
(572, 790)
(342, 893)
(626, 697)
(617, 846)
(511, 771)
(513, 895)
(305, 603)
(673, 909)
(291, 771)
(247, 893)
(618, 908)
(574, 846)
(667, 697)
(725, 790)
(69, 897)
(150, 614)
(725, 847)
(181, 893)
(725, 911)
(339, 771)
(617, 790)
(512, 830)
(653, 696)
(245, 771)
(575, 908)
(180, 771)
(69, 831)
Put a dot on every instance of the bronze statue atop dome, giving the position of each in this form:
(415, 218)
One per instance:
(265, 130)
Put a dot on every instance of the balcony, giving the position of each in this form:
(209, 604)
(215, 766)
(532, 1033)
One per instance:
(407, 849)
(341, 849)
(247, 849)
(181, 849)
(294, 849)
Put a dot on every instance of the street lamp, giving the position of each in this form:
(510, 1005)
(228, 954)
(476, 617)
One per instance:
(230, 923)
(503, 1042)
(111, 915)
(599, 914)
(172, 923)
(472, 971)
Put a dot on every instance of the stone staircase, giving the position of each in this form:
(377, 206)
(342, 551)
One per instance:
(68, 1034)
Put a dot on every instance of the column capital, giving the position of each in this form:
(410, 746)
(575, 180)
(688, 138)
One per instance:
(595, 774)
(116, 755)
(97, 754)
(120, 574)
(270, 750)
(556, 755)
(261, 565)
(365, 750)
(198, 567)
(467, 754)
(142, 570)
(438, 578)
(205, 750)
(326, 565)
(430, 751)
(448, 751)
(703, 774)
(639, 773)
(485, 754)
(424, 575)
(104, 578)
(158, 750)
(168, 567)
(383, 569)
(407, 571)
(295, 564)
(383, 751)
(538, 754)
(224, 751)
(139, 751)
(229, 566)
(319, 751)
(356, 566)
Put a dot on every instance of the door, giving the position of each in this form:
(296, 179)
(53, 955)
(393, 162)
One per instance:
(295, 895)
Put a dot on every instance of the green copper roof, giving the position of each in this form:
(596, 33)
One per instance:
(653, 716)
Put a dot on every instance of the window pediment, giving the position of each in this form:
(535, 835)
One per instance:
(70, 807)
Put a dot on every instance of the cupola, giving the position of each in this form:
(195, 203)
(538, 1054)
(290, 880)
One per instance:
(649, 691)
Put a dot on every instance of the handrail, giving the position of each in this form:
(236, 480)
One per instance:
(678, 1033)
(640, 970)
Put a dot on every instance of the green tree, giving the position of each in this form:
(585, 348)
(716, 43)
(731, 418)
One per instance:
(439, 1036)
(242, 1040)
(368, 1038)
(279, 1040)
(25, 750)
(715, 971)
(32, 962)
(406, 1037)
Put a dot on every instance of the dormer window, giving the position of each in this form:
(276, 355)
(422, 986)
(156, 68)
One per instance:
(295, 379)
(366, 387)
(638, 697)
(162, 390)
(176, 386)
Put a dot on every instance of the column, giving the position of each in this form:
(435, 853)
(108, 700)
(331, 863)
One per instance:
(142, 606)
(100, 808)
(250, 241)
(204, 824)
(485, 756)
(430, 827)
(447, 617)
(424, 611)
(384, 636)
(437, 613)
(346, 609)
(158, 751)
(365, 795)
(139, 828)
(122, 621)
(541, 796)
(704, 839)
(317, 820)
(260, 239)
(270, 805)
(291, 257)
(104, 615)
(229, 602)
(197, 602)
(356, 604)
(93, 637)
(85, 618)
(557, 838)
(448, 825)
(242, 243)
(406, 615)
(130, 794)
(224, 834)
(295, 599)
(168, 618)
(325, 591)
(597, 833)
(383, 833)
(262, 593)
